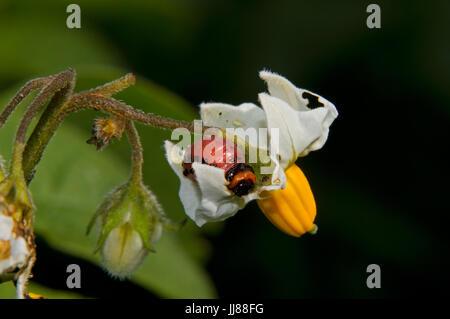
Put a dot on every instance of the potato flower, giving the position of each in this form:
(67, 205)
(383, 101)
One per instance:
(291, 128)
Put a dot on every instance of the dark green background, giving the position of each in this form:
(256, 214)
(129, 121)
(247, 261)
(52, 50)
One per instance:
(381, 179)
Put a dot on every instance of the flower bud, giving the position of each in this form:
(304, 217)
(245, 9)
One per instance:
(292, 209)
(130, 221)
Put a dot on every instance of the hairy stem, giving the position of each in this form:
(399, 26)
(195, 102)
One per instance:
(115, 86)
(57, 83)
(25, 274)
(23, 92)
(137, 157)
(119, 109)
(41, 135)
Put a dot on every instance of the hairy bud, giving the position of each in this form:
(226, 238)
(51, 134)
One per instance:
(130, 221)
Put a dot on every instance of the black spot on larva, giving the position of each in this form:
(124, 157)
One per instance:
(243, 188)
(313, 100)
(220, 113)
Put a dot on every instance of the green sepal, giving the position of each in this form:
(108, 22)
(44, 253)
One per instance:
(143, 215)
(131, 203)
(110, 213)
(147, 215)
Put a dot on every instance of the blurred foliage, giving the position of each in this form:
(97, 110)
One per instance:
(378, 182)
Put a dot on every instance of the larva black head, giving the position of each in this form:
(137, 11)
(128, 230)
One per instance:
(243, 187)
(242, 179)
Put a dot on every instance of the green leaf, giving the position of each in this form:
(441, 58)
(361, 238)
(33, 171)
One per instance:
(73, 177)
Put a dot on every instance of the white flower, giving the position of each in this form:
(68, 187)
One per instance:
(14, 251)
(300, 130)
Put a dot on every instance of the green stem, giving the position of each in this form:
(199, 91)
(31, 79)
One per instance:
(57, 83)
(61, 88)
(23, 92)
(119, 109)
(136, 153)
(16, 161)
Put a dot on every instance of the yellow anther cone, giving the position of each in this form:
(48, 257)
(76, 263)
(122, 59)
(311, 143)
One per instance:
(293, 208)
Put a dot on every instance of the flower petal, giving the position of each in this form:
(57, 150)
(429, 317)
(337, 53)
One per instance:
(14, 250)
(189, 192)
(278, 177)
(208, 199)
(6, 226)
(283, 89)
(245, 116)
(223, 115)
(299, 131)
(218, 202)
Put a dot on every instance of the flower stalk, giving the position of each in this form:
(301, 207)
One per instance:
(137, 158)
